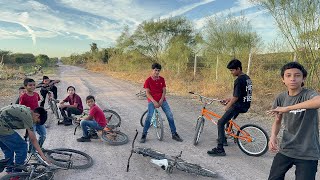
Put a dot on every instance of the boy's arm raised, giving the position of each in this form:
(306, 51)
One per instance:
(313, 103)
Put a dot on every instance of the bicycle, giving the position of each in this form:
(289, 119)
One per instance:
(156, 122)
(251, 139)
(168, 163)
(41, 169)
(52, 102)
(141, 94)
(110, 133)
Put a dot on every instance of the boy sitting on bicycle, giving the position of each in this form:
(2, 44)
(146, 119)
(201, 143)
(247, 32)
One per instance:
(95, 120)
(47, 85)
(239, 103)
(155, 87)
(74, 106)
(15, 117)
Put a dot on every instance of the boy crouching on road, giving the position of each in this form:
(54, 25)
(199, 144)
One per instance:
(96, 120)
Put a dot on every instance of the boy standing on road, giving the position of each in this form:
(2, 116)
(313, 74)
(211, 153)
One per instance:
(14, 117)
(96, 120)
(47, 84)
(239, 103)
(31, 99)
(156, 90)
(298, 109)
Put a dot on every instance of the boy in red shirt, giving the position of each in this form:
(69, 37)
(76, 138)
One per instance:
(155, 87)
(96, 120)
(31, 99)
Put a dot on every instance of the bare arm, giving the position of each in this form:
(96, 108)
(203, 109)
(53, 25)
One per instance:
(34, 142)
(155, 103)
(313, 103)
(164, 91)
(231, 102)
(273, 143)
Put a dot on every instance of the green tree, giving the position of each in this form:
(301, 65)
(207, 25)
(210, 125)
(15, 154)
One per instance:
(298, 21)
(42, 60)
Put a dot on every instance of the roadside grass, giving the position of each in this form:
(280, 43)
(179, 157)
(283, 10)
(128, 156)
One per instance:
(266, 84)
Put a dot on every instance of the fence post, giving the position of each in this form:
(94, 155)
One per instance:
(195, 66)
(249, 63)
(217, 67)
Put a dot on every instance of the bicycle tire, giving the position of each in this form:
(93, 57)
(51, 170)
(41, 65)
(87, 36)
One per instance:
(199, 128)
(143, 119)
(119, 139)
(55, 110)
(260, 140)
(194, 169)
(149, 152)
(159, 126)
(26, 176)
(55, 158)
(113, 118)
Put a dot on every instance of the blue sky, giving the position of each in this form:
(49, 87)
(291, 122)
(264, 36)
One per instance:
(61, 27)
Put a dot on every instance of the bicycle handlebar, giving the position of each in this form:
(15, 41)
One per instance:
(202, 98)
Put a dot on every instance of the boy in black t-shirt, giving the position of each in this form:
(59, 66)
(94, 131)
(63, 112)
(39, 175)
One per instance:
(239, 103)
(47, 84)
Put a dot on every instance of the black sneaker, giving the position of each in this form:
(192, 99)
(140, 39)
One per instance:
(84, 139)
(216, 152)
(225, 142)
(176, 137)
(143, 138)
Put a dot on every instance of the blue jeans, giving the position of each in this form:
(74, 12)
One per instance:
(41, 130)
(305, 169)
(166, 109)
(14, 144)
(86, 124)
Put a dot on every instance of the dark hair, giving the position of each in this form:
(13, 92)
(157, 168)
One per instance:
(156, 66)
(234, 64)
(296, 65)
(27, 80)
(90, 97)
(71, 87)
(43, 114)
(45, 77)
(21, 87)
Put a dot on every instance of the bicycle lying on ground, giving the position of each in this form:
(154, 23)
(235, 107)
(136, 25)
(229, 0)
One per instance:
(141, 94)
(110, 133)
(251, 139)
(156, 122)
(168, 163)
(62, 158)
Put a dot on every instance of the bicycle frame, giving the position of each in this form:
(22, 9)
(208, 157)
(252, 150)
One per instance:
(154, 118)
(210, 115)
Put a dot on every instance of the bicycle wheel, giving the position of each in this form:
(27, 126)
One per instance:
(158, 126)
(55, 110)
(149, 152)
(194, 169)
(115, 138)
(260, 139)
(143, 118)
(26, 176)
(199, 128)
(112, 117)
(62, 156)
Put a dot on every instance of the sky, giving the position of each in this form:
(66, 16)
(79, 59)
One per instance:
(62, 27)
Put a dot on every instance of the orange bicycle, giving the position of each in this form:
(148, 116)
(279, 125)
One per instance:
(251, 139)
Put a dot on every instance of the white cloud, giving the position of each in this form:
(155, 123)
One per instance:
(185, 9)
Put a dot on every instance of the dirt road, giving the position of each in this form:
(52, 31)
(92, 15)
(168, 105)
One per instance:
(110, 161)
